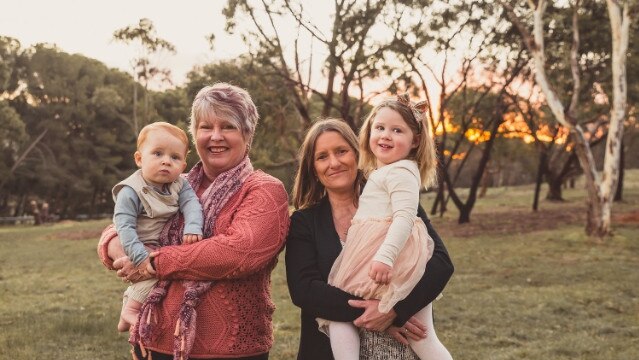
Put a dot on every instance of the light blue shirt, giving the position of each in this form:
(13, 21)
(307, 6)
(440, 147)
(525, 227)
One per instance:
(128, 208)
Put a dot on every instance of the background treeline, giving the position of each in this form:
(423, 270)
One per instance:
(68, 123)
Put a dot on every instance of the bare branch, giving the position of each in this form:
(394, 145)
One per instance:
(574, 62)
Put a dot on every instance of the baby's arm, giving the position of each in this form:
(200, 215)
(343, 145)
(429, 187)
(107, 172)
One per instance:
(125, 218)
(402, 184)
(192, 210)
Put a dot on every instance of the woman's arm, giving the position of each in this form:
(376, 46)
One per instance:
(251, 242)
(439, 269)
(307, 287)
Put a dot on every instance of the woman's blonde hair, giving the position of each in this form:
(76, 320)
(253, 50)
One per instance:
(425, 154)
(308, 190)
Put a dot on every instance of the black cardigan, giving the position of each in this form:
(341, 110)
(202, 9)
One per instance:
(311, 248)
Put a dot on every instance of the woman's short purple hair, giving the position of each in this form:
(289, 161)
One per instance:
(228, 101)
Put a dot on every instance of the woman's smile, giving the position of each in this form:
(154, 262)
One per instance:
(218, 149)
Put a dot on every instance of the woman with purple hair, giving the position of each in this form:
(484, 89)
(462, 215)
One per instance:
(212, 300)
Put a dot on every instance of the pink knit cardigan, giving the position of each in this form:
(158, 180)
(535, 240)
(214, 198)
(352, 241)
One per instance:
(234, 316)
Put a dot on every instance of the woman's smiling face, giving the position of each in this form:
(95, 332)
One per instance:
(220, 144)
(335, 162)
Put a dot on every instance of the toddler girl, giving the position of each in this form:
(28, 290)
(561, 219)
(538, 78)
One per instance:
(387, 245)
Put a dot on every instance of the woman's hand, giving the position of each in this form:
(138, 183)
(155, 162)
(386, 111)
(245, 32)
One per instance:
(372, 319)
(413, 330)
(128, 272)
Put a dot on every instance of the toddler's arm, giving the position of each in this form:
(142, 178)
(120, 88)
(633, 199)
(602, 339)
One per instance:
(402, 184)
(192, 210)
(125, 218)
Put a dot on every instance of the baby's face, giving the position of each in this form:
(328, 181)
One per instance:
(162, 158)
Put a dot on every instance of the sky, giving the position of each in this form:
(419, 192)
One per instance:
(86, 27)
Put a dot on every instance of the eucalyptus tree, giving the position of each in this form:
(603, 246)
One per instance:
(600, 188)
(148, 43)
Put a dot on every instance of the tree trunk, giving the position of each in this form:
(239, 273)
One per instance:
(19, 210)
(444, 201)
(136, 127)
(22, 157)
(485, 180)
(464, 215)
(464, 211)
(620, 26)
(543, 159)
(554, 189)
(441, 188)
(438, 199)
(622, 173)
(145, 120)
(595, 226)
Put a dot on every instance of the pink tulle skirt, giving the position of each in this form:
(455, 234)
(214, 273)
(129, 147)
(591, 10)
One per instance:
(350, 270)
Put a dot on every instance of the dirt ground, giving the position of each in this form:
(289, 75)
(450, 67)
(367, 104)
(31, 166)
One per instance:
(521, 221)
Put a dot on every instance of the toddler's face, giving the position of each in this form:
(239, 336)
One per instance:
(162, 158)
(391, 139)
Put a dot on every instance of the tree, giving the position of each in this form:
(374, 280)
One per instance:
(471, 103)
(12, 137)
(144, 72)
(355, 50)
(75, 102)
(600, 189)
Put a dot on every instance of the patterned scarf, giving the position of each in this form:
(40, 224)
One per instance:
(213, 200)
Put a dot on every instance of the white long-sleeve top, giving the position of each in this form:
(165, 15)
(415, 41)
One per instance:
(392, 191)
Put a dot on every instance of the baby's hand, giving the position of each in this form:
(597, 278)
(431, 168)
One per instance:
(380, 272)
(191, 238)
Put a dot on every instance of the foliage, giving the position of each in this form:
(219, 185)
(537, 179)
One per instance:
(12, 136)
(12, 61)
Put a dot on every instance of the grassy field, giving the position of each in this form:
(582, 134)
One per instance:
(526, 286)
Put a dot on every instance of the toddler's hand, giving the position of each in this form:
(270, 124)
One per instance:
(191, 238)
(380, 272)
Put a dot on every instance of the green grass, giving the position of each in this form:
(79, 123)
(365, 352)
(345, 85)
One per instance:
(541, 291)
(56, 299)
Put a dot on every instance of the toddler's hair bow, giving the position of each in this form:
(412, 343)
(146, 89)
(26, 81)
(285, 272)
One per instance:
(418, 109)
